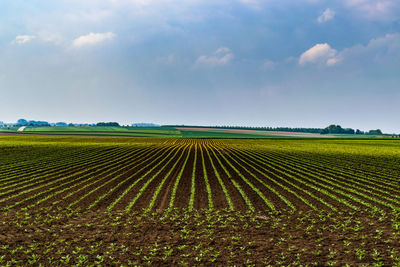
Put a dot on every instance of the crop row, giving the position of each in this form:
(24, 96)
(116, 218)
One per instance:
(193, 173)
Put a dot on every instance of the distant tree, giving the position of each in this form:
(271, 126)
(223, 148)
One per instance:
(144, 124)
(325, 131)
(71, 124)
(333, 129)
(38, 123)
(62, 124)
(22, 122)
(349, 131)
(375, 132)
(337, 129)
(108, 124)
(359, 132)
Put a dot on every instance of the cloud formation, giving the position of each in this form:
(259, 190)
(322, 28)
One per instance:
(327, 15)
(268, 64)
(319, 54)
(50, 37)
(92, 39)
(222, 56)
(378, 50)
(22, 39)
(175, 44)
(376, 10)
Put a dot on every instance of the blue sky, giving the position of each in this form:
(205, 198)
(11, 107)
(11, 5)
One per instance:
(303, 63)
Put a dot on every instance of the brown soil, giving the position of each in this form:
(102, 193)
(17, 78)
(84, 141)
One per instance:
(197, 238)
(201, 197)
(54, 235)
(140, 203)
(185, 184)
(128, 167)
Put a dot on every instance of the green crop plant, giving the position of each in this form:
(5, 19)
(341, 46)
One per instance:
(160, 185)
(193, 181)
(154, 165)
(221, 183)
(177, 180)
(143, 188)
(208, 187)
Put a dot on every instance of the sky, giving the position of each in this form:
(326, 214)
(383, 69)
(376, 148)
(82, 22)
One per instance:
(297, 63)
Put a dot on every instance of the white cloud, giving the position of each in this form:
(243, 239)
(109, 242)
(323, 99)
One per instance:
(222, 56)
(22, 39)
(269, 64)
(382, 49)
(391, 43)
(375, 9)
(55, 38)
(92, 39)
(327, 15)
(333, 61)
(319, 54)
(223, 50)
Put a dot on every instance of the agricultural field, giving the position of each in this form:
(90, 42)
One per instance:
(211, 132)
(177, 132)
(104, 131)
(77, 200)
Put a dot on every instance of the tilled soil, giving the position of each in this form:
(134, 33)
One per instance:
(261, 181)
(60, 211)
(58, 236)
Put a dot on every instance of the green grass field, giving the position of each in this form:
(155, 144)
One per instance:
(204, 134)
(101, 128)
(8, 129)
(105, 131)
(176, 132)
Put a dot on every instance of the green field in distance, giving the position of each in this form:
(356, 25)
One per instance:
(167, 131)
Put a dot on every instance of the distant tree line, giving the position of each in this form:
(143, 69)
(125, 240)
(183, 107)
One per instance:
(33, 123)
(144, 124)
(108, 124)
(295, 130)
(337, 129)
(23, 122)
(276, 129)
(331, 129)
